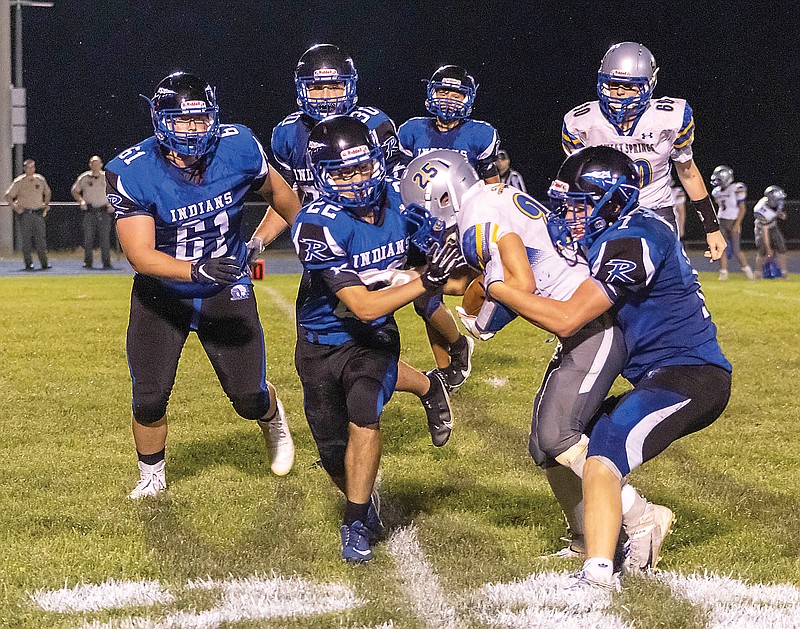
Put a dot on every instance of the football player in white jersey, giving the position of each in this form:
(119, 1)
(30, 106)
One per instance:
(500, 220)
(731, 199)
(652, 132)
(770, 243)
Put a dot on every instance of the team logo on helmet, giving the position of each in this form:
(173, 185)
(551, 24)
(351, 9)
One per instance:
(355, 152)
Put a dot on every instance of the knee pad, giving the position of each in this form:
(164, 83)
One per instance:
(539, 457)
(251, 406)
(148, 410)
(365, 402)
(574, 457)
(426, 305)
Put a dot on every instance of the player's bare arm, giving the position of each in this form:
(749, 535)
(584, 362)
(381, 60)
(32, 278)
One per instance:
(284, 205)
(137, 235)
(516, 267)
(562, 318)
(695, 187)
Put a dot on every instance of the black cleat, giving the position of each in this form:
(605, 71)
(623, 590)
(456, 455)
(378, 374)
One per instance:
(460, 366)
(437, 407)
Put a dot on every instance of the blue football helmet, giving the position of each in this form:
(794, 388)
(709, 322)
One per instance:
(594, 188)
(632, 64)
(454, 78)
(320, 64)
(340, 148)
(426, 228)
(182, 95)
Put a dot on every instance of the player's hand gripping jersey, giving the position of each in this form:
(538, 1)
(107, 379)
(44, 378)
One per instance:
(728, 199)
(193, 221)
(338, 250)
(490, 211)
(642, 267)
(474, 139)
(664, 132)
(290, 139)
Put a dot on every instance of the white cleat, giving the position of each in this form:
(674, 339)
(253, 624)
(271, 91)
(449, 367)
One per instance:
(279, 442)
(723, 275)
(152, 481)
(643, 548)
(581, 581)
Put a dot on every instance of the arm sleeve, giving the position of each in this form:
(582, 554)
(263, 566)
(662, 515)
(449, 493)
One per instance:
(624, 266)
(386, 135)
(260, 165)
(486, 167)
(477, 242)
(122, 201)
(279, 152)
(405, 141)
(570, 141)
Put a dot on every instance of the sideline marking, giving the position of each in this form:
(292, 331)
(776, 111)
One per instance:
(278, 300)
(420, 582)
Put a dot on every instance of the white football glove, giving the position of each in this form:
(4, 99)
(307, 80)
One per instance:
(470, 323)
(255, 247)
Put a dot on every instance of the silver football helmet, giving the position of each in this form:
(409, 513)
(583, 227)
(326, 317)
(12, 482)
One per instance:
(437, 181)
(722, 176)
(628, 63)
(775, 197)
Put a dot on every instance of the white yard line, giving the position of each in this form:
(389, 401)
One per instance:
(420, 582)
(277, 299)
(109, 595)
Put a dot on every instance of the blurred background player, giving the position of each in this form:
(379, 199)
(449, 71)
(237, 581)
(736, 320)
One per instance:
(770, 243)
(731, 200)
(652, 132)
(451, 94)
(179, 198)
(681, 379)
(505, 223)
(29, 197)
(507, 175)
(89, 190)
(348, 345)
(326, 80)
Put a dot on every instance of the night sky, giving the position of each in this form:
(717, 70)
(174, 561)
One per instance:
(86, 63)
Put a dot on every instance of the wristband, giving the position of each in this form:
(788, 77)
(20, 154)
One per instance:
(707, 214)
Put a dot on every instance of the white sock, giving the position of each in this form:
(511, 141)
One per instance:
(599, 569)
(633, 506)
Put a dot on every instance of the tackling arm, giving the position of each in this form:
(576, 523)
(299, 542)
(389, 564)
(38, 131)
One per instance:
(562, 318)
(369, 305)
(284, 206)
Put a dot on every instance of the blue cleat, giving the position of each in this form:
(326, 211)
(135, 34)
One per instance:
(356, 543)
(373, 520)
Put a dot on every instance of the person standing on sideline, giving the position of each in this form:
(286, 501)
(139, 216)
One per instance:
(507, 175)
(731, 199)
(29, 197)
(89, 190)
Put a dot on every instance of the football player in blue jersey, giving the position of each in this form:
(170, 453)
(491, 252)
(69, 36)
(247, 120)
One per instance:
(353, 242)
(178, 199)
(325, 79)
(451, 94)
(681, 379)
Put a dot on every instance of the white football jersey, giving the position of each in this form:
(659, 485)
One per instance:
(727, 200)
(664, 132)
(490, 211)
(765, 215)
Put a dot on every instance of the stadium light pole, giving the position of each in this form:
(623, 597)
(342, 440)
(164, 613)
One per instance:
(19, 147)
(6, 215)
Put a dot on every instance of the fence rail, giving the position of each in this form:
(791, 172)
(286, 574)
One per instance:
(65, 230)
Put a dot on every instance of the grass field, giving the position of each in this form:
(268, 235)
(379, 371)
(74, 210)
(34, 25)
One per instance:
(230, 545)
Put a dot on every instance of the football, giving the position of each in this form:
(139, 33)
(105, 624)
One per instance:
(474, 296)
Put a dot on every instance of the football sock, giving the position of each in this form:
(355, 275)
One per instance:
(427, 395)
(354, 511)
(458, 346)
(151, 459)
(633, 506)
(599, 569)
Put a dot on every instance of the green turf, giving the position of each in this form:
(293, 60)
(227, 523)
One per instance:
(482, 510)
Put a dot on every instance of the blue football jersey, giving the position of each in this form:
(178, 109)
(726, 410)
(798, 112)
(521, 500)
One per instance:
(193, 220)
(338, 250)
(658, 303)
(474, 139)
(290, 140)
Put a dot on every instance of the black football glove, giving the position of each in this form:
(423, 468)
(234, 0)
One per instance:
(216, 271)
(442, 261)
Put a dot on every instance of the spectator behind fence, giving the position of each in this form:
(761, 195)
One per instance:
(89, 190)
(29, 197)
(508, 176)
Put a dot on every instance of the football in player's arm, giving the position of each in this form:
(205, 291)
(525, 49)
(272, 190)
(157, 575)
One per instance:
(178, 199)
(681, 378)
(654, 132)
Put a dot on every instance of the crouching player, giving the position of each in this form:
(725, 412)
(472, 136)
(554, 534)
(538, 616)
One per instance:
(501, 222)
(681, 379)
(353, 242)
